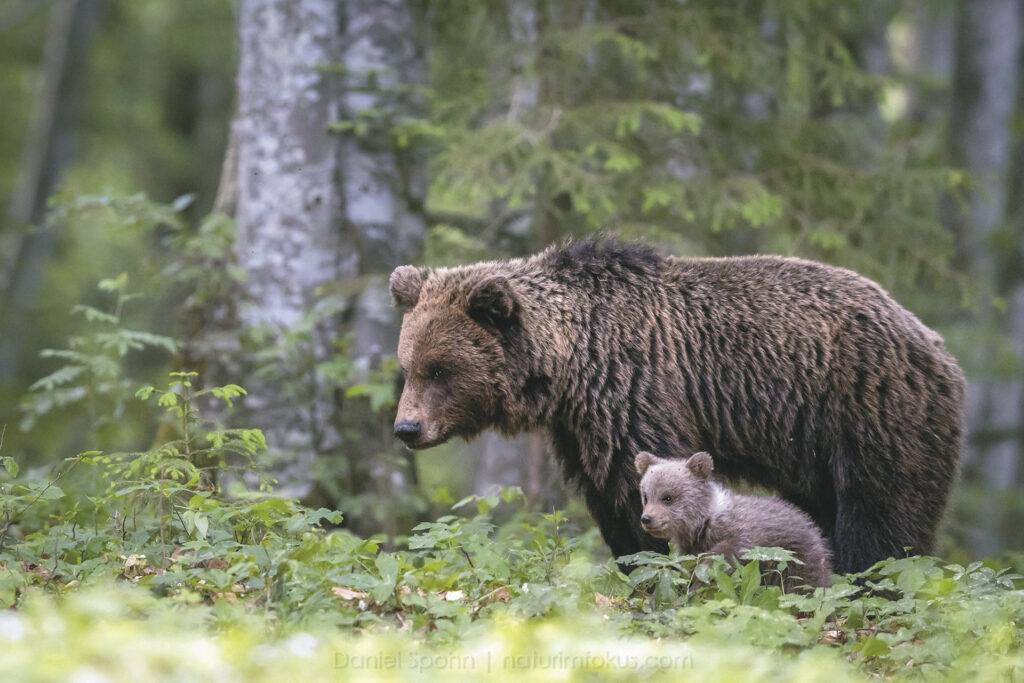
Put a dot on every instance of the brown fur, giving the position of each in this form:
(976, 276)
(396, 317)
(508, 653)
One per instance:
(799, 376)
(681, 502)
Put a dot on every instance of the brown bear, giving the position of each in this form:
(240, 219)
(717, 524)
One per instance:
(682, 503)
(799, 376)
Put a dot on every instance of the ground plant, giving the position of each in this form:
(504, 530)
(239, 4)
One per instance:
(181, 561)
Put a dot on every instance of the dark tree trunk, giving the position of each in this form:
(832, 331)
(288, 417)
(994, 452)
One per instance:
(988, 42)
(49, 145)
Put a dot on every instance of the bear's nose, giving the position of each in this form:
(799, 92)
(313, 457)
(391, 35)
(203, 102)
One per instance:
(407, 430)
(645, 519)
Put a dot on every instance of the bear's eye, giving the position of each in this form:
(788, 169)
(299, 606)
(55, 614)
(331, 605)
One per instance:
(666, 499)
(437, 372)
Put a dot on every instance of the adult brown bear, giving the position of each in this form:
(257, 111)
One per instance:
(800, 376)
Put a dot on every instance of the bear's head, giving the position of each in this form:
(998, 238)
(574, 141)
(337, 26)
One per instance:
(676, 494)
(452, 351)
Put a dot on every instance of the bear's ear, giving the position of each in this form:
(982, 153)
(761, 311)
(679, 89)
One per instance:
(405, 285)
(493, 303)
(701, 464)
(643, 461)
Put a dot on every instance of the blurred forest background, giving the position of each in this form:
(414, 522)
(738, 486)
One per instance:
(225, 186)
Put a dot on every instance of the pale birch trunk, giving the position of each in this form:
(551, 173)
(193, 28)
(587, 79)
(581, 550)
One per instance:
(383, 189)
(322, 219)
(288, 218)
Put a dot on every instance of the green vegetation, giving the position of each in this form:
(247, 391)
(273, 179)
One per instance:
(159, 563)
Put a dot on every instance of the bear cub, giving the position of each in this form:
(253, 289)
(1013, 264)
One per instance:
(682, 502)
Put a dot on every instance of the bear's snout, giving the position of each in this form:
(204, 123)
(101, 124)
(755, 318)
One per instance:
(654, 525)
(408, 431)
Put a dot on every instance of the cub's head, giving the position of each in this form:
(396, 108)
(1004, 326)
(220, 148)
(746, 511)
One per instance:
(450, 349)
(676, 493)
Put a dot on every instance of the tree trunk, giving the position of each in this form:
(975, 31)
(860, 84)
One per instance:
(48, 147)
(383, 187)
(984, 100)
(930, 57)
(288, 217)
(322, 219)
(524, 461)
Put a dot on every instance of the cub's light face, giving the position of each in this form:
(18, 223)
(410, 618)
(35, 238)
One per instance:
(663, 496)
(453, 380)
(675, 493)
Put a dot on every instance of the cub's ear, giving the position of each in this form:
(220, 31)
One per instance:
(643, 461)
(405, 285)
(493, 303)
(701, 464)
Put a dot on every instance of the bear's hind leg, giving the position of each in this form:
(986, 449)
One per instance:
(867, 531)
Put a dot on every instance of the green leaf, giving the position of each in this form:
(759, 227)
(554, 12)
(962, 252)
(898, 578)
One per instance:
(761, 207)
(52, 492)
(387, 565)
(138, 339)
(872, 647)
(855, 615)
(465, 501)
(750, 581)
(770, 555)
(10, 465)
(202, 525)
(381, 395)
(628, 123)
(63, 375)
(226, 393)
(911, 580)
(114, 284)
(676, 119)
(168, 400)
(197, 500)
(511, 493)
(66, 354)
(95, 315)
(483, 505)
(622, 162)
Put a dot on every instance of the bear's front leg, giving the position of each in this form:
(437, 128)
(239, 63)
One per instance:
(619, 522)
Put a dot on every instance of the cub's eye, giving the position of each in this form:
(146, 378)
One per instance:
(666, 499)
(437, 372)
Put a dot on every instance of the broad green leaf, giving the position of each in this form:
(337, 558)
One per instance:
(11, 465)
(52, 492)
(872, 647)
